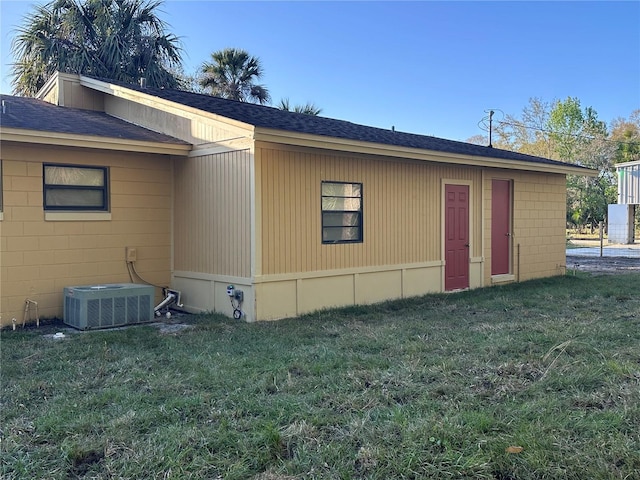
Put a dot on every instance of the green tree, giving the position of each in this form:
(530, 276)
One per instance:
(588, 197)
(626, 134)
(579, 137)
(563, 130)
(571, 128)
(308, 108)
(232, 74)
(122, 40)
(527, 133)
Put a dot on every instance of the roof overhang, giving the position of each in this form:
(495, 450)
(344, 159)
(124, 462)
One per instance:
(167, 106)
(91, 141)
(368, 148)
(627, 164)
(335, 143)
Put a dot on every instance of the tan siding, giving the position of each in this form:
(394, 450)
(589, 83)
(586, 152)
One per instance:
(539, 217)
(401, 209)
(38, 258)
(75, 95)
(175, 121)
(51, 96)
(212, 214)
(68, 92)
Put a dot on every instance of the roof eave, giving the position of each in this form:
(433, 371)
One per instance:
(91, 141)
(633, 163)
(357, 146)
(141, 97)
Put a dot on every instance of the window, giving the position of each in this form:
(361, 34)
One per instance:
(341, 212)
(69, 187)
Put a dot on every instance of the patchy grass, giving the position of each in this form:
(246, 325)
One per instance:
(442, 386)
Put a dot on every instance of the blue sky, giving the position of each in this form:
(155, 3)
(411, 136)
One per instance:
(424, 67)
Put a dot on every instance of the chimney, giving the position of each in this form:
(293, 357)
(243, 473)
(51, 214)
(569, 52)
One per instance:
(143, 83)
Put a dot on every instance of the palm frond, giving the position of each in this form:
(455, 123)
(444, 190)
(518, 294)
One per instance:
(119, 39)
(231, 74)
(308, 108)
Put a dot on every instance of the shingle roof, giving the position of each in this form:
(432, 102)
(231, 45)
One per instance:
(274, 118)
(33, 114)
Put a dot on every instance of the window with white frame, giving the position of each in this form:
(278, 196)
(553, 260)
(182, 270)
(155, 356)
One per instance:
(74, 187)
(341, 212)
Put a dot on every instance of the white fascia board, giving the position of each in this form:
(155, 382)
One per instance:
(48, 86)
(223, 146)
(627, 164)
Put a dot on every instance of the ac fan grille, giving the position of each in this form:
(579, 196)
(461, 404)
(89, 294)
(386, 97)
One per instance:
(106, 306)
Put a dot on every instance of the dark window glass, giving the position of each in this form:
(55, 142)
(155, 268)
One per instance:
(75, 188)
(341, 212)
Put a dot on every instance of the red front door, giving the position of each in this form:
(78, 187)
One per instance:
(456, 245)
(500, 227)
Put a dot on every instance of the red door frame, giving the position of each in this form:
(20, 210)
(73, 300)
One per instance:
(456, 236)
(501, 208)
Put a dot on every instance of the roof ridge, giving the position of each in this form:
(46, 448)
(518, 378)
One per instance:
(269, 117)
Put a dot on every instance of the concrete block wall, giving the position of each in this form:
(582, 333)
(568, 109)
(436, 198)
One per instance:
(539, 224)
(38, 257)
(539, 215)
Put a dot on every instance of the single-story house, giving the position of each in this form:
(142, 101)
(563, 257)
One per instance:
(298, 212)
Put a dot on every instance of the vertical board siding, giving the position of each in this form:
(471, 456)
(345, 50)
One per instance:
(212, 214)
(68, 92)
(401, 209)
(38, 258)
(77, 96)
(629, 183)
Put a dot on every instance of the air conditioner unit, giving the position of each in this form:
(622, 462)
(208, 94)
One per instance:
(111, 305)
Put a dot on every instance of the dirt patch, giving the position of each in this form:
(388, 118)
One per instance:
(171, 328)
(602, 265)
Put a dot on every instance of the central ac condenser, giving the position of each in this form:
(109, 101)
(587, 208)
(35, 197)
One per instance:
(111, 305)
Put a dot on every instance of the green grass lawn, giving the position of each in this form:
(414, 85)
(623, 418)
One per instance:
(435, 387)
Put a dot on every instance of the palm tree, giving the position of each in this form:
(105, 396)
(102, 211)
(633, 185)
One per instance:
(231, 75)
(116, 39)
(308, 108)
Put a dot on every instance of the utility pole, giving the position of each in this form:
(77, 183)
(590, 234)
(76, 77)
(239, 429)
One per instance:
(490, 127)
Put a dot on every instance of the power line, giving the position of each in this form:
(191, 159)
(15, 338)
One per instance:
(576, 135)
